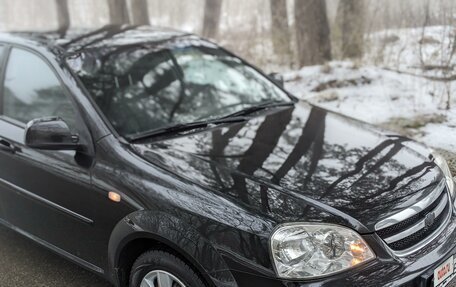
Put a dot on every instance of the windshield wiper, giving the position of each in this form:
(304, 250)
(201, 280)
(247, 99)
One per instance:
(231, 118)
(256, 108)
(175, 129)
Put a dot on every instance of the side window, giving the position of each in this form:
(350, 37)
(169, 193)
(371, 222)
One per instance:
(32, 90)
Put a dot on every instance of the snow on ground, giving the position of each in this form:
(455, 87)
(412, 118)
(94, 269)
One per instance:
(368, 93)
(402, 97)
(411, 49)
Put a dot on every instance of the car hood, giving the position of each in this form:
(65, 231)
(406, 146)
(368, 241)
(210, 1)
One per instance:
(303, 163)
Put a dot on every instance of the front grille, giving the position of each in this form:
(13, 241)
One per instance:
(420, 221)
(419, 236)
(407, 223)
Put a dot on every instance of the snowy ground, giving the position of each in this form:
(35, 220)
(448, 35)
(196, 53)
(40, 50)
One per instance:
(391, 89)
(423, 51)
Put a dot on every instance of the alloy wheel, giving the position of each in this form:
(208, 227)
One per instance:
(159, 278)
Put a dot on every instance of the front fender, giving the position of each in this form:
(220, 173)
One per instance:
(175, 233)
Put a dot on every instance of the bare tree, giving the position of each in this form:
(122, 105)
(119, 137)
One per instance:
(63, 16)
(350, 18)
(139, 12)
(212, 13)
(427, 19)
(280, 29)
(312, 32)
(118, 12)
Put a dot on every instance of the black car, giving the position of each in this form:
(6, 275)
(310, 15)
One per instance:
(156, 158)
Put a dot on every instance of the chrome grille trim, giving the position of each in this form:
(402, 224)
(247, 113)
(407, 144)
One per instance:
(420, 225)
(412, 210)
(410, 230)
(431, 237)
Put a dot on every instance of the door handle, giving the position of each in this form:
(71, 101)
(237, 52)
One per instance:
(7, 146)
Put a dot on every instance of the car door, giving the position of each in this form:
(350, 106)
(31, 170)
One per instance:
(45, 194)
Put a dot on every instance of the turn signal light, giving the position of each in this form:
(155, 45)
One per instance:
(114, 196)
(356, 248)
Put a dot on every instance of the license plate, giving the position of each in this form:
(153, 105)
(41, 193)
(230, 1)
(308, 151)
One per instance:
(444, 273)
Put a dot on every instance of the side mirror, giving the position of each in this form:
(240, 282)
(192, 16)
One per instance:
(277, 78)
(50, 134)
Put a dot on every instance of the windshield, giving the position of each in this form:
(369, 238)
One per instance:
(141, 88)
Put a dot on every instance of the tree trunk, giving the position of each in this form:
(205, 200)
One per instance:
(118, 12)
(350, 18)
(280, 30)
(63, 16)
(139, 12)
(312, 32)
(212, 13)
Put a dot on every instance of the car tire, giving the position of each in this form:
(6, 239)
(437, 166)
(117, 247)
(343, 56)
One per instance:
(160, 261)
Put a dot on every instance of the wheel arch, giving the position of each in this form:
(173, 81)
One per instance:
(145, 230)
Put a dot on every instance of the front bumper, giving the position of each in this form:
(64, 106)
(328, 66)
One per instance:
(386, 270)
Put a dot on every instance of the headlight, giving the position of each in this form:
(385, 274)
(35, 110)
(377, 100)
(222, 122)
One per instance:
(306, 250)
(443, 165)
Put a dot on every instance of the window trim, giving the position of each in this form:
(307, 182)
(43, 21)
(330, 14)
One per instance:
(3, 64)
(13, 121)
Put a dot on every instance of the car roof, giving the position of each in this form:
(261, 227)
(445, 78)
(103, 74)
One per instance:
(80, 40)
